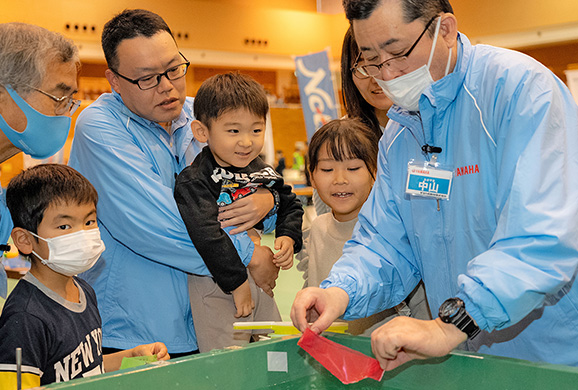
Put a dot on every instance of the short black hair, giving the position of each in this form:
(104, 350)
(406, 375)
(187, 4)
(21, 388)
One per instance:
(412, 9)
(32, 191)
(229, 91)
(128, 24)
(346, 138)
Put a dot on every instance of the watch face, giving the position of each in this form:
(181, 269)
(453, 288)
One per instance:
(453, 311)
(450, 308)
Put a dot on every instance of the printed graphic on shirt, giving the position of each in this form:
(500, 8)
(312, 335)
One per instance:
(60, 340)
(467, 170)
(238, 185)
(266, 176)
(78, 362)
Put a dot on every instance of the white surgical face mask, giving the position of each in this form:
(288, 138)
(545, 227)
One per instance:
(405, 90)
(73, 253)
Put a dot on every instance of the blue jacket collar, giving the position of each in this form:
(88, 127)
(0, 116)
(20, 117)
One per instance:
(444, 91)
(181, 121)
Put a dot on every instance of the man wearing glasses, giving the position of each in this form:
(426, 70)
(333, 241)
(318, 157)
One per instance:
(131, 144)
(475, 193)
(38, 70)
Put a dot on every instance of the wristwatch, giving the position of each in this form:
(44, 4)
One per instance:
(453, 311)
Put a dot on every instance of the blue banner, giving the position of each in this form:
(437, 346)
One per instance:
(316, 90)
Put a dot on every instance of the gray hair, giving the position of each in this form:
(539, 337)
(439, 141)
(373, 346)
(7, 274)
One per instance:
(412, 9)
(26, 51)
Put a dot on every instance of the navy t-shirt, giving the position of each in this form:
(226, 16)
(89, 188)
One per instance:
(60, 340)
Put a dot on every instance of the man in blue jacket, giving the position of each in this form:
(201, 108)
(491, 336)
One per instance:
(475, 194)
(131, 144)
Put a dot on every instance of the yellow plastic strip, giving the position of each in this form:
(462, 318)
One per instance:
(285, 327)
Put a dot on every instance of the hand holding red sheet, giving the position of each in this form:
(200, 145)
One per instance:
(346, 364)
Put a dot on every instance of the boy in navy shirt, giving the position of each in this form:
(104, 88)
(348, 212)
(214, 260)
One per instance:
(51, 314)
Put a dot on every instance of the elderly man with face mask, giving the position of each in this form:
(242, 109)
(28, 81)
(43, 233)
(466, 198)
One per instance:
(475, 194)
(38, 72)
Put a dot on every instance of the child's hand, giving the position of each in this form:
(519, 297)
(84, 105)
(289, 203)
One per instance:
(243, 301)
(112, 361)
(284, 258)
(157, 348)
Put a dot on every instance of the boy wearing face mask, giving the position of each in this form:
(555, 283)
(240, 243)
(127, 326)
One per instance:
(51, 314)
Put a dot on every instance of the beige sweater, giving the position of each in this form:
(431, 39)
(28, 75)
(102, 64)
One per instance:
(322, 246)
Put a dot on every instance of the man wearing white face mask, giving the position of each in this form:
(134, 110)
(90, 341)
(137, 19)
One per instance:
(406, 89)
(475, 194)
(38, 70)
(51, 314)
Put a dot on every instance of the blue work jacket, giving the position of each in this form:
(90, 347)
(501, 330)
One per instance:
(141, 278)
(506, 241)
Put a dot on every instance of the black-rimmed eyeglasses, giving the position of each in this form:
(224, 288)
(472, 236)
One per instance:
(148, 82)
(355, 69)
(398, 63)
(64, 104)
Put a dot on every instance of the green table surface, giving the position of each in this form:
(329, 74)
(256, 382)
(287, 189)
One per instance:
(247, 368)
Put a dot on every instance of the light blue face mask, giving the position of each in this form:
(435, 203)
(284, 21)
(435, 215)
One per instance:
(43, 136)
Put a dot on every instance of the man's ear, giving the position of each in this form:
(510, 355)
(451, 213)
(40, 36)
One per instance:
(112, 80)
(449, 29)
(200, 131)
(23, 240)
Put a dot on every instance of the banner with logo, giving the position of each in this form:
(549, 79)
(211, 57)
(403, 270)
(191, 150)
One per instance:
(316, 90)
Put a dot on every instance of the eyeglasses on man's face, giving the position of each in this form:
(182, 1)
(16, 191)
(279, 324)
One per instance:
(395, 64)
(64, 104)
(148, 82)
(356, 68)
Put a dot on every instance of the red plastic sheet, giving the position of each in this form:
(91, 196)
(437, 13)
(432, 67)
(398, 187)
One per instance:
(346, 364)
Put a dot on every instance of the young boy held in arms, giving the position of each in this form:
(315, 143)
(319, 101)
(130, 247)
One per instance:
(51, 314)
(230, 111)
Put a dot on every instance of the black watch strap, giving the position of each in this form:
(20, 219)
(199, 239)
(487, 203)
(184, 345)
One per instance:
(467, 325)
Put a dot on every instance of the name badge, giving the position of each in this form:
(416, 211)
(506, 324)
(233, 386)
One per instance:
(428, 181)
